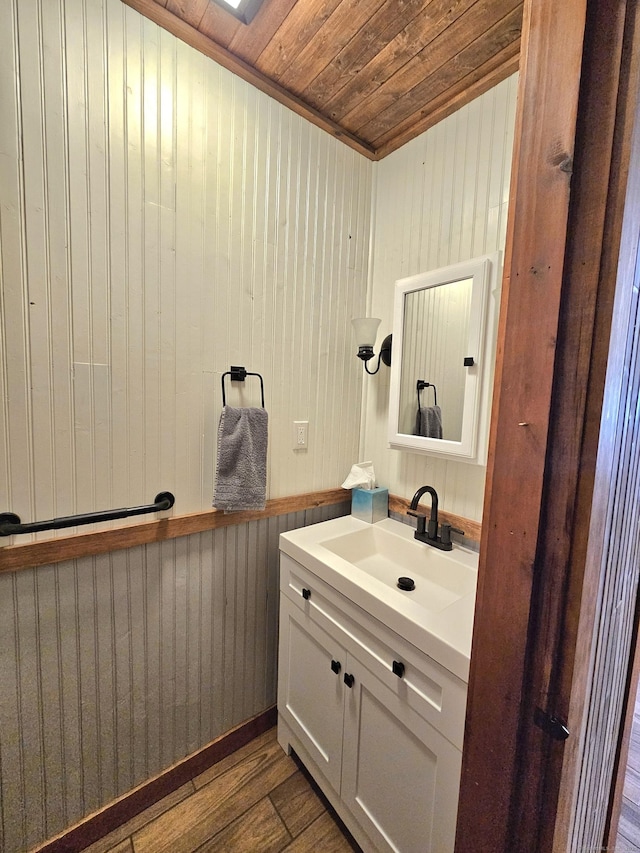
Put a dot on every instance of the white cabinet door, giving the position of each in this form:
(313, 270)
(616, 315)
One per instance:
(311, 689)
(373, 741)
(400, 776)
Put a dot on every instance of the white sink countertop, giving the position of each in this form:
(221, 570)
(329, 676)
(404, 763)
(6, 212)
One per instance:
(364, 561)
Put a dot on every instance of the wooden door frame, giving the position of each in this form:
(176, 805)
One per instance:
(576, 103)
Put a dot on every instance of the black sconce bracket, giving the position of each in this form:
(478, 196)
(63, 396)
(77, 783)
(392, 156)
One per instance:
(366, 353)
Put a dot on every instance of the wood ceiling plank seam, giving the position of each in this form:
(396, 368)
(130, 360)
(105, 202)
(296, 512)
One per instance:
(299, 27)
(415, 37)
(218, 25)
(190, 11)
(342, 27)
(444, 54)
(468, 89)
(249, 42)
(193, 37)
(379, 30)
(449, 48)
(500, 36)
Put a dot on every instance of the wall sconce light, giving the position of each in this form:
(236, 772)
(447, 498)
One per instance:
(366, 329)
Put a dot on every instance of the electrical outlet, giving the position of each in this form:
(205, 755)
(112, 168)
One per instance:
(300, 435)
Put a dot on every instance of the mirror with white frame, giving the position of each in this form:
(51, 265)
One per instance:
(443, 340)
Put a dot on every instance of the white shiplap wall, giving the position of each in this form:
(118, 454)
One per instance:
(440, 199)
(161, 220)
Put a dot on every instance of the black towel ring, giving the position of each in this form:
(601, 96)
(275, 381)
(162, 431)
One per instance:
(420, 384)
(239, 374)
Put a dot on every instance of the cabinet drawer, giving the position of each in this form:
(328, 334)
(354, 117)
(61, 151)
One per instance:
(428, 688)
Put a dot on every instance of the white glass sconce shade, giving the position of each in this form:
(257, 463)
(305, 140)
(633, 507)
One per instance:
(366, 329)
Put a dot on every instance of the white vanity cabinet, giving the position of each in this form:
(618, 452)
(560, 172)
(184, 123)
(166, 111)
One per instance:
(377, 723)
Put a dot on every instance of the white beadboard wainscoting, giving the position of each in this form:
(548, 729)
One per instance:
(440, 199)
(115, 667)
(162, 220)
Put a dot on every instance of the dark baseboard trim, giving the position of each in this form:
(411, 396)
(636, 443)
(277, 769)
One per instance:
(101, 823)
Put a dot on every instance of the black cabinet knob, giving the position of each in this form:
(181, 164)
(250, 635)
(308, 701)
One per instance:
(306, 594)
(348, 679)
(336, 666)
(397, 668)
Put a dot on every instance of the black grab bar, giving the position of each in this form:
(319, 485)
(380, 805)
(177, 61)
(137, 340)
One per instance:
(10, 522)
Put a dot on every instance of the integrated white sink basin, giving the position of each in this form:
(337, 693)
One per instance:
(440, 578)
(364, 562)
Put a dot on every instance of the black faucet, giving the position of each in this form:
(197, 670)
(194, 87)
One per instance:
(430, 534)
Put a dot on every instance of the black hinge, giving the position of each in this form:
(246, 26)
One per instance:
(551, 725)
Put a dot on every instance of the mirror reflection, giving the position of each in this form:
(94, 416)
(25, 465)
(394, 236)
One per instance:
(444, 330)
(432, 382)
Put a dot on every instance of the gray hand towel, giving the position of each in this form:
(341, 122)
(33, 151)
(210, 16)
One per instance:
(241, 466)
(429, 422)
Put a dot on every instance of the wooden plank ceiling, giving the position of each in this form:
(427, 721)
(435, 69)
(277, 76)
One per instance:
(375, 73)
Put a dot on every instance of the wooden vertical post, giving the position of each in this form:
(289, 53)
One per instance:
(544, 438)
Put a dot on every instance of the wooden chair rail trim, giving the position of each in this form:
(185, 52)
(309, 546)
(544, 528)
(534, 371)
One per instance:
(90, 544)
(45, 552)
(131, 804)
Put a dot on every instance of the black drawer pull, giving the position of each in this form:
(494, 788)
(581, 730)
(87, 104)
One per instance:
(398, 668)
(348, 679)
(306, 594)
(336, 666)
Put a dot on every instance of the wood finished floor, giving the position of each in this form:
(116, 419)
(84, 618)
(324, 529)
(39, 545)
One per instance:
(628, 840)
(255, 801)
